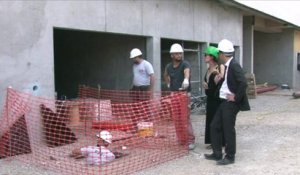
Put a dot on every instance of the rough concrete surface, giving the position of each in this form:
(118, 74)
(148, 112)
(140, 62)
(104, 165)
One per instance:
(267, 144)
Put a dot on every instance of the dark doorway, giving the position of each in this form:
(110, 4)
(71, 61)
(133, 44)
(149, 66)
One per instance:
(92, 58)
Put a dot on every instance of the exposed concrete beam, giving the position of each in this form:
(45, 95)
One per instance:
(249, 11)
(268, 26)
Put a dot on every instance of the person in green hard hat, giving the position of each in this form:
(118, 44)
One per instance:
(211, 85)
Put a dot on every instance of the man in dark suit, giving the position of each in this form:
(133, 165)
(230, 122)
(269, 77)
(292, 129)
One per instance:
(234, 99)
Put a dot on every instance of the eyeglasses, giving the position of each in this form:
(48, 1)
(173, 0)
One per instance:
(176, 53)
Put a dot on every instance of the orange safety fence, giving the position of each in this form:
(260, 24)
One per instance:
(144, 129)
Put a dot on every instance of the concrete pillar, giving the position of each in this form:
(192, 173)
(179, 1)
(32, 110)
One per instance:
(248, 35)
(296, 77)
(154, 57)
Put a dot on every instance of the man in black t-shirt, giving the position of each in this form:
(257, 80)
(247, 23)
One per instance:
(177, 76)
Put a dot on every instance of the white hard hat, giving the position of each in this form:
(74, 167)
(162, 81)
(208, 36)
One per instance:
(135, 52)
(176, 48)
(225, 46)
(105, 135)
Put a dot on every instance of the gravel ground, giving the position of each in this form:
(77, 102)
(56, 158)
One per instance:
(267, 144)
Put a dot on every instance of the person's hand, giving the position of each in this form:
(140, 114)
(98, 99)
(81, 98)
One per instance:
(75, 153)
(217, 78)
(231, 97)
(205, 85)
(215, 71)
(185, 83)
(151, 94)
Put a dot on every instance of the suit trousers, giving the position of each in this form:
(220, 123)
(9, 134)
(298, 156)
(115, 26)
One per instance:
(224, 123)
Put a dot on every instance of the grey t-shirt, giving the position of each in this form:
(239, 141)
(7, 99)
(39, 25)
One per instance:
(177, 75)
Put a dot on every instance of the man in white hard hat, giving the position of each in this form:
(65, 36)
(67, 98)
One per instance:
(177, 73)
(143, 74)
(97, 155)
(177, 76)
(233, 99)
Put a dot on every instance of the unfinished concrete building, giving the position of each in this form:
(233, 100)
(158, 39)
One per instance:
(50, 47)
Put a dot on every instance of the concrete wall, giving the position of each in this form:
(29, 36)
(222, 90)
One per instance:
(248, 44)
(273, 57)
(26, 56)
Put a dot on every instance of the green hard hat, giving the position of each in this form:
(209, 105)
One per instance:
(211, 50)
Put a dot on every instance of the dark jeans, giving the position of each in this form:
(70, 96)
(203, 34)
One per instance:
(224, 122)
(139, 93)
(141, 88)
(140, 96)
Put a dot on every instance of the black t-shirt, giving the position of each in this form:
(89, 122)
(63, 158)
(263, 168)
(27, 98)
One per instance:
(177, 75)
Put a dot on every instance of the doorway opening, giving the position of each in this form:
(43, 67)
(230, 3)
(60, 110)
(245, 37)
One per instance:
(93, 59)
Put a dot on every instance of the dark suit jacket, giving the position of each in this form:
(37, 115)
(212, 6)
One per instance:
(237, 84)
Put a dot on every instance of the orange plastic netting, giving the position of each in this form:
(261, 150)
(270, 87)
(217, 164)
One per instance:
(146, 129)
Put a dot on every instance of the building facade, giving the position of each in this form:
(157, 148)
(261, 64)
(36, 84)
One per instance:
(52, 46)
(48, 48)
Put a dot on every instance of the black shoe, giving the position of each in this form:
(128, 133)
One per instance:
(213, 156)
(209, 147)
(225, 161)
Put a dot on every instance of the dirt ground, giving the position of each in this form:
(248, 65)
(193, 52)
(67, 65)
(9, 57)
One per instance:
(268, 139)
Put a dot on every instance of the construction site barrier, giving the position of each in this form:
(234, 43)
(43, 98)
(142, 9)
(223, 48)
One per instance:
(66, 136)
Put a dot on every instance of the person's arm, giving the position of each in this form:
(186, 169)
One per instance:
(205, 85)
(152, 81)
(187, 73)
(220, 74)
(167, 77)
(222, 70)
(150, 72)
(238, 73)
(242, 82)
